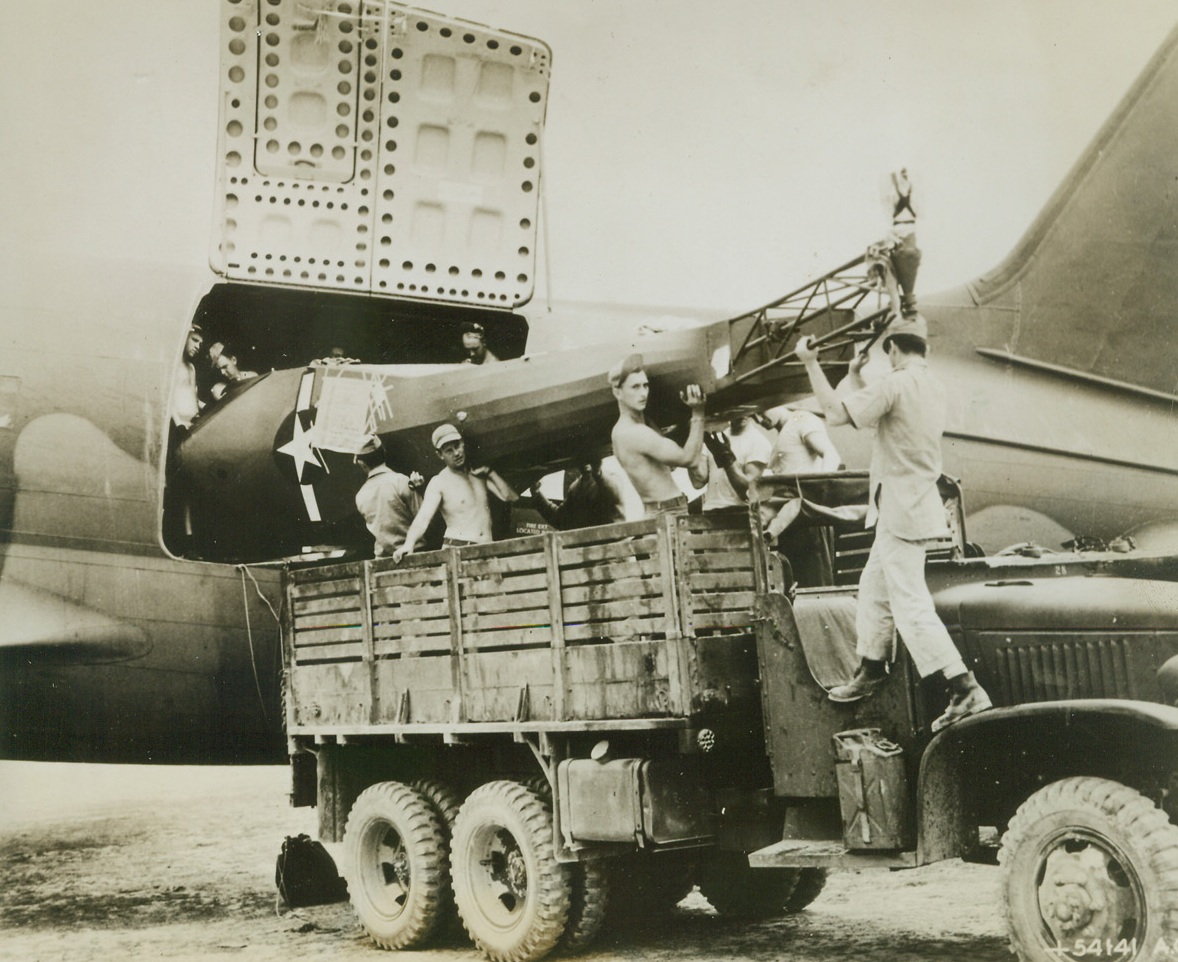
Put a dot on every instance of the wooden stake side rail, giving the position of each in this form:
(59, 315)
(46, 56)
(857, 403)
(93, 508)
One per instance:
(644, 620)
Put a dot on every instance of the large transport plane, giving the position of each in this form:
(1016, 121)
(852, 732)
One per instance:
(377, 182)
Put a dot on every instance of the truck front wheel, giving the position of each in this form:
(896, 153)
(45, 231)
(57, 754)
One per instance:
(395, 848)
(810, 883)
(1090, 868)
(512, 894)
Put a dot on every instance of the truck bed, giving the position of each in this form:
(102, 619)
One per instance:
(641, 624)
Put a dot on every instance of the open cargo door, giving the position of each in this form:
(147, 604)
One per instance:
(372, 147)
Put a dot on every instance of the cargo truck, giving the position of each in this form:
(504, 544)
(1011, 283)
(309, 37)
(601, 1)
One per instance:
(525, 733)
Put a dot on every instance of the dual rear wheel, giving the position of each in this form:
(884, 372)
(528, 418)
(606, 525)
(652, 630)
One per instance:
(396, 864)
(417, 861)
(413, 855)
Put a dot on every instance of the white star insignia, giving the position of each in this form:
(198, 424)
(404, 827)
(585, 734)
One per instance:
(300, 450)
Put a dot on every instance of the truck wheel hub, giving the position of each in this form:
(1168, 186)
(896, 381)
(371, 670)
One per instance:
(1085, 893)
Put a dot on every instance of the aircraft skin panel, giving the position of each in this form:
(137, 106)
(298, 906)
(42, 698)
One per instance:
(179, 685)
(1095, 279)
(110, 650)
(372, 147)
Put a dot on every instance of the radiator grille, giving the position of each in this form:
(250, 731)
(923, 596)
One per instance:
(1046, 670)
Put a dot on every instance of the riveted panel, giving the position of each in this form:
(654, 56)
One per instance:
(371, 147)
(297, 155)
(461, 119)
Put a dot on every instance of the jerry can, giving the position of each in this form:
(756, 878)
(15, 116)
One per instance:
(873, 791)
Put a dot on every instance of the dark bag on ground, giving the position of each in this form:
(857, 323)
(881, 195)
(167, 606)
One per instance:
(306, 874)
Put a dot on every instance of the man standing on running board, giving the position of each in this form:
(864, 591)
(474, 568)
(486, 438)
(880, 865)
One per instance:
(906, 407)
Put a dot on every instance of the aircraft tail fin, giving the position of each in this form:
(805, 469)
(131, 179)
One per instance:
(1093, 284)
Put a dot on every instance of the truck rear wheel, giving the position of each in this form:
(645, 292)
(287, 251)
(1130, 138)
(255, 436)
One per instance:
(396, 851)
(738, 891)
(512, 894)
(1090, 868)
(445, 802)
(588, 904)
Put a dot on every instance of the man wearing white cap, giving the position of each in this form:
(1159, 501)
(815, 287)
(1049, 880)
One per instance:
(646, 456)
(462, 494)
(906, 407)
(388, 500)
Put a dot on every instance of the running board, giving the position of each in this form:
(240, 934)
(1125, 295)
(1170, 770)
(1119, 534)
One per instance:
(803, 853)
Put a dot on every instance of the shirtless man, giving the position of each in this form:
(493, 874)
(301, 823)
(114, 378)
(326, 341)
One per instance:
(461, 493)
(646, 455)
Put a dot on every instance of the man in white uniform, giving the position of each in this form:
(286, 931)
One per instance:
(906, 407)
(802, 445)
(724, 473)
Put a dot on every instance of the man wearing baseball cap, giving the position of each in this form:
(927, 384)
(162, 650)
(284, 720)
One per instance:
(906, 407)
(646, 455)
(388, 500)
(461, 493)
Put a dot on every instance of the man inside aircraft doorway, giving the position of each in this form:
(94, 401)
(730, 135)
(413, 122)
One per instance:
(461, 493)
(646, 456)
(906, 407)
(474, 344)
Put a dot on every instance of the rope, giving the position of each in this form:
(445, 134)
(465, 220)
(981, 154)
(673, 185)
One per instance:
(250, 632)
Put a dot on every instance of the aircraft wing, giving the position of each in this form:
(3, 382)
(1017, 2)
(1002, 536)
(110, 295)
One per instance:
(53, 628)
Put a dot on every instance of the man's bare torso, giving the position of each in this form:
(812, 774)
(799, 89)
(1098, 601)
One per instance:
(651, 478)
(465, 505)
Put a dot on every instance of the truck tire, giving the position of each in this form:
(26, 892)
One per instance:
(512, 894)
(442, 797)
(588, 889)
(736, 890)
(445, 803)
(588, 904)
(395, 848)
(1089, 868)
(809, 885)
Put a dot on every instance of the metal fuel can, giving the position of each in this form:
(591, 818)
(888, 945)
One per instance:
(873, 791)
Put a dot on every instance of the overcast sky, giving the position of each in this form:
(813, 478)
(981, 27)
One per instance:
(697, 154)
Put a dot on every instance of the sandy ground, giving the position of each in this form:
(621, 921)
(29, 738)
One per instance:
(128, 863)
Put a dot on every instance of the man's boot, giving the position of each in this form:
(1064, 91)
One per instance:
(966, 698)
(868, 677)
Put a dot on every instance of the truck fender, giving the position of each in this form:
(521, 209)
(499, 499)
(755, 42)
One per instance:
(979, 770)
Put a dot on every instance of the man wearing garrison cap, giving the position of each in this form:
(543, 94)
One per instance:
(646, 455)
(906, 407)
(461, 492)
(388, 500)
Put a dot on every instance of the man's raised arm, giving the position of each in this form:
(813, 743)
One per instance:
(829, 398)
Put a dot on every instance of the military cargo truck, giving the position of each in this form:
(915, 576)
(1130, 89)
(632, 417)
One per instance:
(542, 734)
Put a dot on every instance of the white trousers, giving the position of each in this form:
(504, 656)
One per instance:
(893, 596)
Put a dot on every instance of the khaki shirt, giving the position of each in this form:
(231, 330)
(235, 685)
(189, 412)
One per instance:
(907, 409)
(388, 505)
